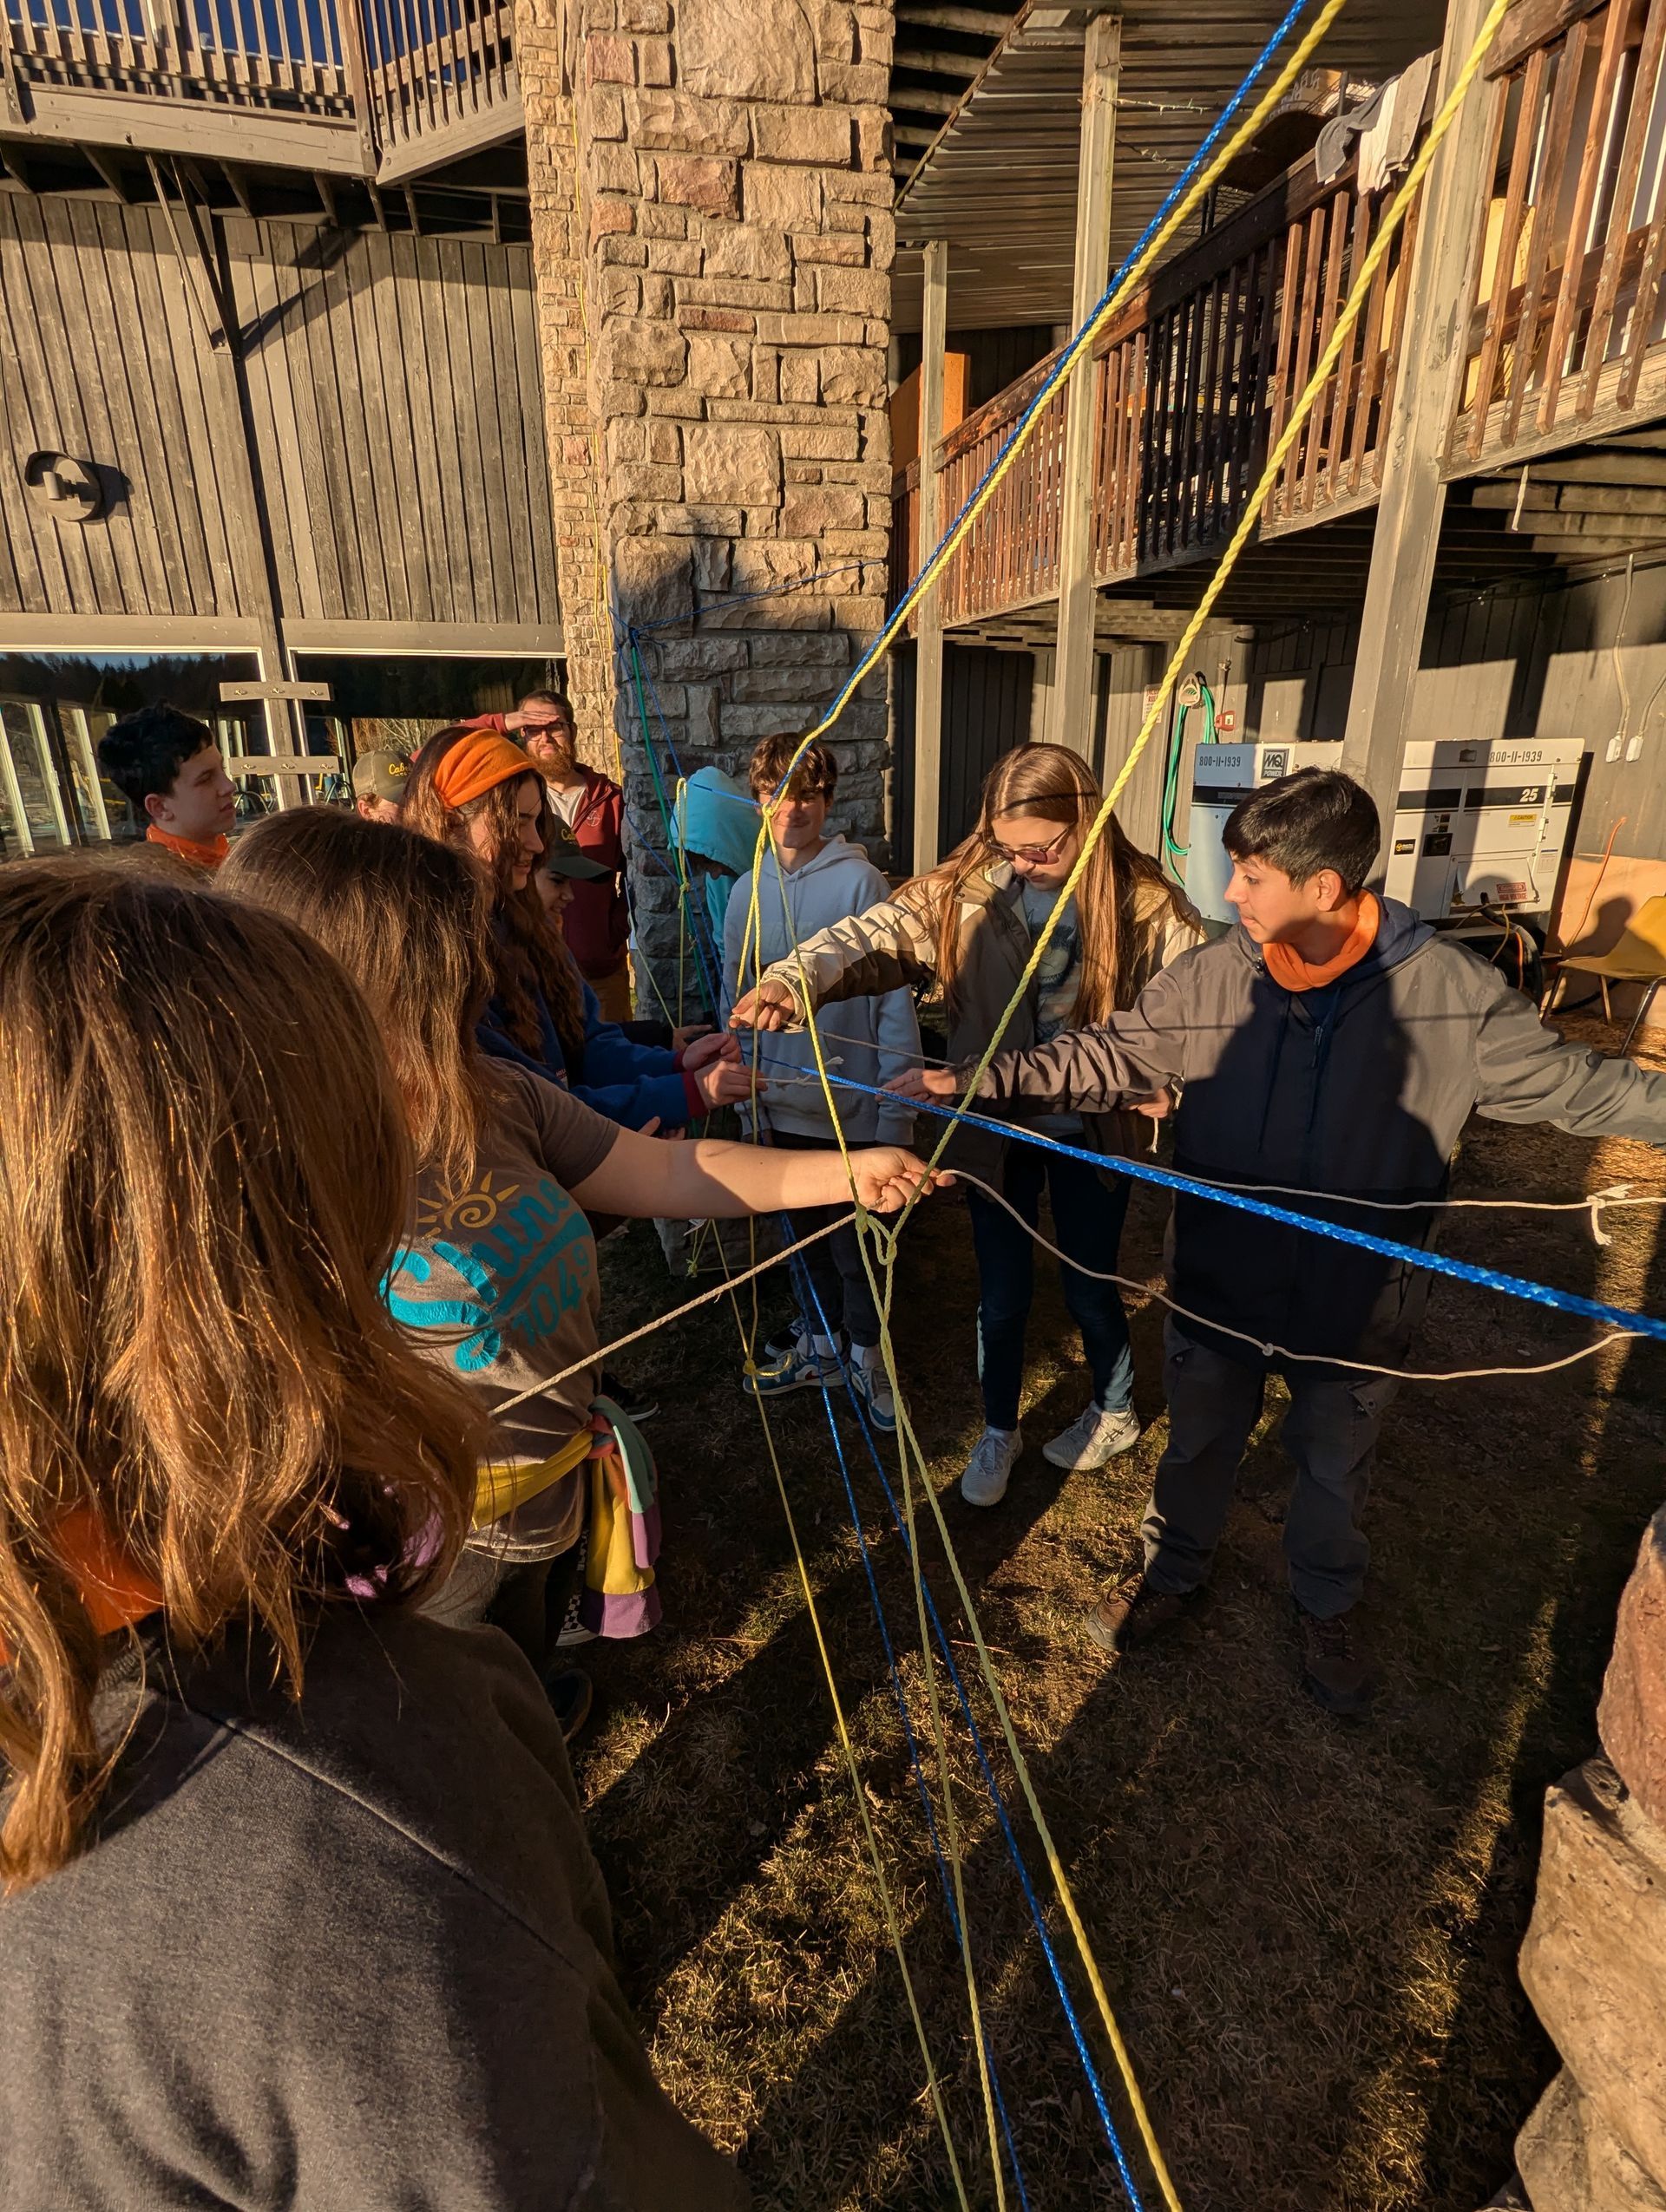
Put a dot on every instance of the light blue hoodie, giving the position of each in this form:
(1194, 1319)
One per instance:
(874, 1039)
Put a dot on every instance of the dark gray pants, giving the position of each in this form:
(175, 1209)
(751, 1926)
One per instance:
(1330, 1432)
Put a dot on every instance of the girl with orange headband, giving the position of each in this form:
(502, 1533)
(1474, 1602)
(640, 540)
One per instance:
(477, 790)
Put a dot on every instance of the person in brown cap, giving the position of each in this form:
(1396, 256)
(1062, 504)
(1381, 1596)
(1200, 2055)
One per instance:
(379, 781)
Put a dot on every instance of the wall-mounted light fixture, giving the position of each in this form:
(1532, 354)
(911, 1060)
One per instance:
(69, 489)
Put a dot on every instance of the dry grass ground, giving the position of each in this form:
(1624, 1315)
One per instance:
(1307, 1927)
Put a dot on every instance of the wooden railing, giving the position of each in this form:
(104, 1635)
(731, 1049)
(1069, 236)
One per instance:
(433, 64)
(410, 69)
(1568, 308)
(1191, 381)
(248, 53)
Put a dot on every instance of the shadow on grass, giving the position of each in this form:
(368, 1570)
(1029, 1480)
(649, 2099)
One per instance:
(1309, 1928)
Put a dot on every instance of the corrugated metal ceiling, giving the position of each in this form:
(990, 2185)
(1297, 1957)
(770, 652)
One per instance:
(1000, 181)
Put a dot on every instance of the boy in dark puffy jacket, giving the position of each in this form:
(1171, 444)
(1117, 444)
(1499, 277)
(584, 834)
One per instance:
(1334, 1043)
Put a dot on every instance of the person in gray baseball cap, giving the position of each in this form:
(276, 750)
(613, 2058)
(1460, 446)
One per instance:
(379, 781)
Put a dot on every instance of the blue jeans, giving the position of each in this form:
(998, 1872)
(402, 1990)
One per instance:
(1087, 1215)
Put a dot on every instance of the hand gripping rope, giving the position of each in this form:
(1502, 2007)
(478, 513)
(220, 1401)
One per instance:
(1075, 354)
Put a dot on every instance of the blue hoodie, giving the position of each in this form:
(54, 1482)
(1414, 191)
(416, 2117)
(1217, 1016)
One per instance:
(629, 1084)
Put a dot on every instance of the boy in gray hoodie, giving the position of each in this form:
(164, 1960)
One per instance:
(812, 879)
(1332, 1044)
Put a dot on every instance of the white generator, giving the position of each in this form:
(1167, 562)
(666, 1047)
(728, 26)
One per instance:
(1221, 776)
(1481, 826)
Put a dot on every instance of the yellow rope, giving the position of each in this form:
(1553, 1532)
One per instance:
(1330, 353)
(893, 1924)
(1392, 219)
(752, 943)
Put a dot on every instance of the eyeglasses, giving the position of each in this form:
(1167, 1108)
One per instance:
(1042, 852)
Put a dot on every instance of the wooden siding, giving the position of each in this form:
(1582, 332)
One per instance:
(395, 397)
(1582, 659)
(986, 713)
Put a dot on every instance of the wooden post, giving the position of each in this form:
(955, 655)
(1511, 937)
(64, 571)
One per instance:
(1071, 720)
(929, 665)
(1426, 389)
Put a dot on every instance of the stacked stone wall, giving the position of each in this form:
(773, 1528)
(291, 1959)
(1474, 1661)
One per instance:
(1594, 1962)
(714, 238)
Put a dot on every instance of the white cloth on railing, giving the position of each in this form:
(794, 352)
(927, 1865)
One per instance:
(1385, 125)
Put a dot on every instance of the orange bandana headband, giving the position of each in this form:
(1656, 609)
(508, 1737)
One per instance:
(479, 762)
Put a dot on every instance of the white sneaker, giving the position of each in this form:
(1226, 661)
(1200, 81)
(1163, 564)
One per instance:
(1094, 1438)
(990, 1467)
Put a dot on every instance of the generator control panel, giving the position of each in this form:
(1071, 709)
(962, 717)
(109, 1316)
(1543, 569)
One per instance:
(1482, 825)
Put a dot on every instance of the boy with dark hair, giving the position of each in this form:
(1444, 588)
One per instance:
(809, 879)
(1332, 1044)
(167, 765)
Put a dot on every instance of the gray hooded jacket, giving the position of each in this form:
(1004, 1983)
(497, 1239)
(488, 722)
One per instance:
(1360, 1088)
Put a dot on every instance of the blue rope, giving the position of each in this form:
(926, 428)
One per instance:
(1038, 1917)
(1439, 1263)
(805, 1284)
(706, 959)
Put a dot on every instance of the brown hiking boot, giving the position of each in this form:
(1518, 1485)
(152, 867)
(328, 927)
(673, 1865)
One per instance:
(1133, 1612)
(1336, 1671)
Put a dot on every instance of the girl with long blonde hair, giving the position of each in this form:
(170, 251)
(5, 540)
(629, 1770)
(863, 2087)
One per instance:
(967, 929)
(296, 1907)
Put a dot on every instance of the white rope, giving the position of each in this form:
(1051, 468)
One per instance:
(1280, 1351)
(649, 1328)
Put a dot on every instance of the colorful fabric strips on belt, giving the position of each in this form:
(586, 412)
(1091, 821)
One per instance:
(619, 1598)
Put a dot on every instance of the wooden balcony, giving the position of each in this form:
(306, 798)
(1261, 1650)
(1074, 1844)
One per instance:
(1191, 381)
(1567, 335)
(381, 90)
(1566, 346)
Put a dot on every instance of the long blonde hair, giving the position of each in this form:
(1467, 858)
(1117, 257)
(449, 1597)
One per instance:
(204, 1171)
(525, 949)
(1058, 786)
(408, 919)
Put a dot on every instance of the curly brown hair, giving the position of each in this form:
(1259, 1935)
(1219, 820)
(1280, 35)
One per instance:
(527, 955)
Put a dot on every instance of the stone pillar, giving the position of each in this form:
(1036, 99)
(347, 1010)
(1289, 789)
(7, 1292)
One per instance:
(714, 324)
(1594, 1962)
(558, 256)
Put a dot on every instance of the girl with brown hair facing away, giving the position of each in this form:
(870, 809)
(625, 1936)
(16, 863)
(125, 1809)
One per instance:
(298, 1907)
(970, 926)
(498, 1271)
(475, 790)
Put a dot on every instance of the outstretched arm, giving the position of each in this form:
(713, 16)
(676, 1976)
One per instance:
(1123, 1062)
(1527, 1073)
(642, 1177)
(890, 947)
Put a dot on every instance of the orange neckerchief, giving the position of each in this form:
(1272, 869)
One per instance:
(113, 1590)
(1286, 966)
(202, 856)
